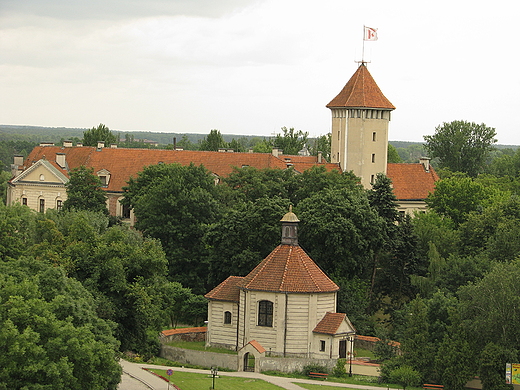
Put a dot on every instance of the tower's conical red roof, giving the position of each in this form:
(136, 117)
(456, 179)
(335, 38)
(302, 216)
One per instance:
(361, 91)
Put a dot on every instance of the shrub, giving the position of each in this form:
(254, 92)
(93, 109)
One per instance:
(405, 376)
(340, 370)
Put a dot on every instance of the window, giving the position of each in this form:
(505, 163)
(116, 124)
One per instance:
(372, 179)
(125, 212)
(265, 313)
(59, 204)
(374, 136)
(227, 317)
(42, 205)
(103, 180)
(322, 345)
(24, 201)
(373, 157)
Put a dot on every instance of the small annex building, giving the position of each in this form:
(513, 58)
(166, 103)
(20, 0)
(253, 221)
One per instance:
(286, 306)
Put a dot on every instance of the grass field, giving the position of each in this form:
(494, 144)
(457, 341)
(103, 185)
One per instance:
(191, 381)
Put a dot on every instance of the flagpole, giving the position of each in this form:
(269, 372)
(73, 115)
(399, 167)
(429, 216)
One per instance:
(363, 51)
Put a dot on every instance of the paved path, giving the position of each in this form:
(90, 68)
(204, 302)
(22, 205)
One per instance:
(150, 381)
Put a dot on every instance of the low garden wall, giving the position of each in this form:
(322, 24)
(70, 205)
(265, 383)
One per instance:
(200, 358)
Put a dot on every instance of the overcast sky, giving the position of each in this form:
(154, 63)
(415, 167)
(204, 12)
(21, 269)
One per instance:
(252, 67)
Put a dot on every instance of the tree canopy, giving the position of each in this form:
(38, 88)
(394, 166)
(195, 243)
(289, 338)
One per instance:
(461, 146)
(84, 191)
(101, 133)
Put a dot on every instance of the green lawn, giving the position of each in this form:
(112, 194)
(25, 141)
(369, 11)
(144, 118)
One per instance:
(191, 381)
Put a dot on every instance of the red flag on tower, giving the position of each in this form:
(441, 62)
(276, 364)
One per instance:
(370, 34)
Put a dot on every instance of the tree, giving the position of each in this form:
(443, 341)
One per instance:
(321, 144)
(393, 155)
(176, 204)
(461, 146)
(213, 142)
(84, 191)
(100, 133)
(405, 376)
(291, 141)
(456, 197)
(50, 336)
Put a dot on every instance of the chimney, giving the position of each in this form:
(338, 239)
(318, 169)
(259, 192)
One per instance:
(67, 144)
(79, 144)
(250, 150)
(222, 150)
(425, 161)
(17, 166)
(113, 146)
(277, 152)
(320, 157)
(46, 144)
(100, 144)
(60, 160)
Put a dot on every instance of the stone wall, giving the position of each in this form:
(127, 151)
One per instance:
(200, 358)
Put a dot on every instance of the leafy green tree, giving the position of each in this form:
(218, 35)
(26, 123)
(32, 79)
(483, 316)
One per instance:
(102, 133)
(321, 144)
(213, 142)
(461, 146)
(456, 197)
(176, 204)
(49, 335)
(491, 307)
(16, 225)
(393, 155)
(493, 360)
(290, 140)
(244, 236)
(84, 191)
(340, 230)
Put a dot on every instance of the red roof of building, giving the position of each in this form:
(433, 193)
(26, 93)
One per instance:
(228, 290)
(288, 269)
(123, 163)
(411, 181)
(256, 345)
(330, 323)
(198, 329)
(361, 91)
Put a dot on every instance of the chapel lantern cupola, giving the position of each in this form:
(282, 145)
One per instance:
(290, 228)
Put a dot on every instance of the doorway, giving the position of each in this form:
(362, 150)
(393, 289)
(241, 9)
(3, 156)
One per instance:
(249, 362)
(343, 349)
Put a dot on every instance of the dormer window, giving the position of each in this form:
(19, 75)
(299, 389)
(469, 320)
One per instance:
(104, 177)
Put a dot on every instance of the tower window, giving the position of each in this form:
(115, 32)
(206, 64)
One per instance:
(372, 179)
(265, 313)
(373, 157)
(374, 136)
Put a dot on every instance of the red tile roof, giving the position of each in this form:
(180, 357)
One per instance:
(198, 329)
(361, 91)
(256, 345)
(288, 269)
(411, 181)
(124, 163)
(228, 290)
(330, 323)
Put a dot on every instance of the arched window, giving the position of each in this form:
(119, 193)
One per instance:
(227, 317)
(265, 313)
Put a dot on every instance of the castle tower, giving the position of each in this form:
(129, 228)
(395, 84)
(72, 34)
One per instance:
(360, 116)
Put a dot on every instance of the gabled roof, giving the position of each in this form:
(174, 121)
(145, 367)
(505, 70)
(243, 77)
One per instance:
(361, 91)
(228, 290)
(288, 269)
(411, 181)
(123, 163)
(331, 322)
(256, 345)
(50, 166)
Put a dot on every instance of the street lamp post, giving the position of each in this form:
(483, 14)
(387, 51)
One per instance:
(351, 352)
(214, 373)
